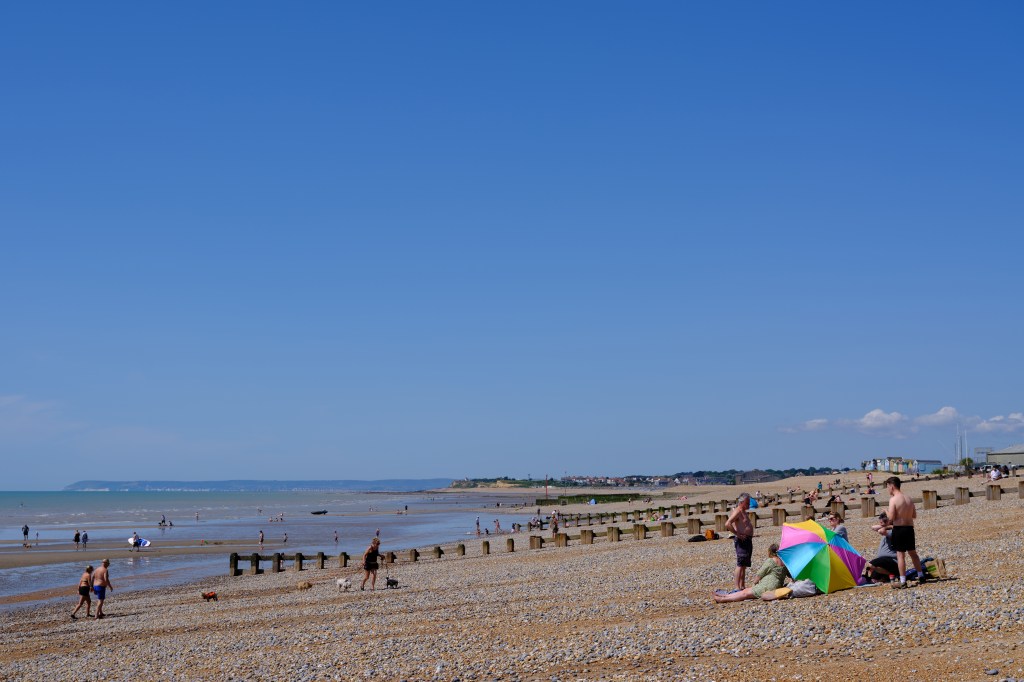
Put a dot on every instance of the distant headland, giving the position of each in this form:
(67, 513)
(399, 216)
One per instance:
(402, 485)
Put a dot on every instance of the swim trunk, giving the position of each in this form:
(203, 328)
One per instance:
(100, 590)
(83, 590)
(744, 550)
(902, 538)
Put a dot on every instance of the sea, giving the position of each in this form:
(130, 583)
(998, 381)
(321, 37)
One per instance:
(405, 520)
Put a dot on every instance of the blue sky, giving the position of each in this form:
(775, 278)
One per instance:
(467, 239)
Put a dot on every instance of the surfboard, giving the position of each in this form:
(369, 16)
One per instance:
(142, 542)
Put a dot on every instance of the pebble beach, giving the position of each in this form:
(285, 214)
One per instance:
(632, 610)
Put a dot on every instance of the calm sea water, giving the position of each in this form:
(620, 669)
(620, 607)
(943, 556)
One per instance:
(114, 516)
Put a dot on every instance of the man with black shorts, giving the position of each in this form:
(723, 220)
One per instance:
(901, 515)
(743, 532)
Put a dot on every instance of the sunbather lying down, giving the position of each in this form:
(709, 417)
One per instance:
(770, 577)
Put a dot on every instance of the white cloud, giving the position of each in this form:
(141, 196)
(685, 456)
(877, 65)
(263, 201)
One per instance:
(878, 420)
(999, 424)
(945, 416)
(809, 425)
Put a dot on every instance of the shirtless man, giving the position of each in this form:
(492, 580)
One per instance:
(901, 515)
(739, 525)
(100, 584)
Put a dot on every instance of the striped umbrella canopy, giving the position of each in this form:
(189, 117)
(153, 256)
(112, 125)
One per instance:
(810, 550)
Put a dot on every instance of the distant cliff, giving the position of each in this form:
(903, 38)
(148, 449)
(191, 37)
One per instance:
(386, 485)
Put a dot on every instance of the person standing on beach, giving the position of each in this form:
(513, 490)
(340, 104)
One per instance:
(902, 513)
(370, 558)
(84, 591)
(85, 540)
(100, 584)
(285, 541)
(743, 534)
(78, 539)
(335, 538)
(24, 534)
(261, 540)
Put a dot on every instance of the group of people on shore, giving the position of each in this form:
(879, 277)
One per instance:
(897, 543)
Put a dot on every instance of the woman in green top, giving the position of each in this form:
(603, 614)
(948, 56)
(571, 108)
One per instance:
(770, 577)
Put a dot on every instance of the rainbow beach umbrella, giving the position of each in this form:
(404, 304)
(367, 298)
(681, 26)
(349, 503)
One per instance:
(810, 550)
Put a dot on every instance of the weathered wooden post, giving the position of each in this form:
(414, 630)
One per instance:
(1020, 489)
(485, 547)
(613, 533)
(807, 512)
(791, 493)
(639, 531)
(414, 555)
(536, 542)
(962, 495)
(720, 520)
(778, 516)
(725, 505)
(993, 492)
(254, 563)
(562, 540)
(233, 559)
(390, 557)
(752, 515)
(510, 545)
(867, 506)
(298, 561)
(275, 562)
(343, 560)
(931, 499)
(438, 552)
(693, 526)
(586, 537)
(673, 511)
(321, 560)
(837, 507)
(460, 549)
(668, 529)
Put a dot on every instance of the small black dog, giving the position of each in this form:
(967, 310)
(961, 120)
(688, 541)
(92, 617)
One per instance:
(392, 583)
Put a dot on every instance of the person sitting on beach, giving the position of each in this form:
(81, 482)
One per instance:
(835, 523)
(84, 593)
(370, 558)
(770, 577)
(883, 567)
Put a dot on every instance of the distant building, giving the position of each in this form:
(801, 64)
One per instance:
(1011, 456)
(899, 465)
(755, 476)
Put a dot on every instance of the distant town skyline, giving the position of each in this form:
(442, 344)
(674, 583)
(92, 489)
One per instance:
(364, 242)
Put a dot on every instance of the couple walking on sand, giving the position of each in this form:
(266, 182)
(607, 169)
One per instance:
(93, 582)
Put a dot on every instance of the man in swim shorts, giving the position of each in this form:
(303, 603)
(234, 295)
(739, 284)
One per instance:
(743, 532)
(902, 513)
(100, 584)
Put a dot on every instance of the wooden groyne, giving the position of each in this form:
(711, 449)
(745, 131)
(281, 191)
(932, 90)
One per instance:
(689, 518)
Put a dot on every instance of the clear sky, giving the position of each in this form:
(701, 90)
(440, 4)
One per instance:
(256, 240)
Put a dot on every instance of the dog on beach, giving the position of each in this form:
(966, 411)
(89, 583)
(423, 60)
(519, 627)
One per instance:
(304, 585)
(344, 584)
(210, 595)
(392, 583)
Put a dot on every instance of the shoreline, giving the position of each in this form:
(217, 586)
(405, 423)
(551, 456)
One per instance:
(638, 609)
